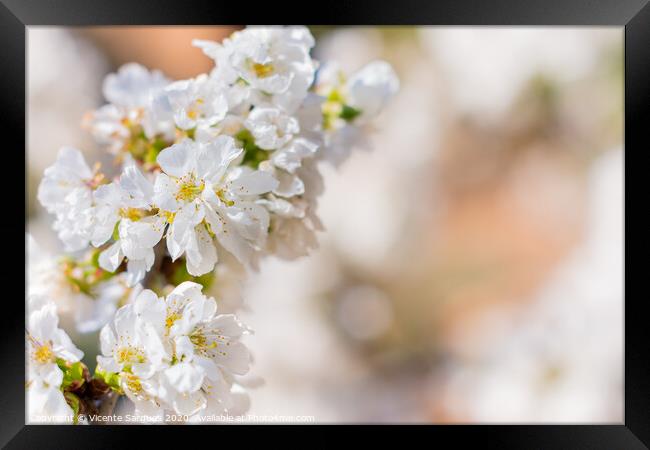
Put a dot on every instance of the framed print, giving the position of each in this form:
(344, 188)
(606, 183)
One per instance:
(414, 216)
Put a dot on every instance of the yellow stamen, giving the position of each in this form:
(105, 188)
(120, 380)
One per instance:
(222, 196)
(43, 354)
(263, 70)
(132, 383)
(188, 190)
(171, 318)
(168, 215)
(133, 214)
(201, 343)
(129, 355)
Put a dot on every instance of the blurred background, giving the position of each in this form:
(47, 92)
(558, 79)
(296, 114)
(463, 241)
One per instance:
(472, 264)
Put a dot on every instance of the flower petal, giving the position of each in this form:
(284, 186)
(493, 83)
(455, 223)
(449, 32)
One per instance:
(253, 183)
(179, 159)
(185, 377)
(111, 258)
(201, 253)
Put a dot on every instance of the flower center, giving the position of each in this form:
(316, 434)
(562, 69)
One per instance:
(221, 194)
(168, 215)
(170, 319)
(133, 383)
(198, 340)
(188, 189)
(129, 355)
(263, 70)
(201, 342)
(195, 109)
(133, 214)
(43, 354)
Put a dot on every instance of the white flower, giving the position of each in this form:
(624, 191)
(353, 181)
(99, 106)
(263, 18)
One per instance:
(130, 345)
(129, 202)
(370, 88)
(66, 192)
(203, 198)
(367, 91)
(46, 343)
(92, 312)
(206, 348)
(289, 185)
(284, 162)
(310, 139)
(292, 237)
(137, 239)
(175, 352)
(293, 219)
(54, 278)
(231, 125)
(271, 128)
(133, 349)
(133, 86)
(199, 102)
(119, 199)
(291, 155)
(350, 104)
(340, 142)
(109, 125)
(46, 404)
(208, 198)
(131, 93)
(273, 60)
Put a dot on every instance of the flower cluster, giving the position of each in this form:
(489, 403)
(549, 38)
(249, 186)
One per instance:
(174, 353)
(216, 172)
(50, 355)
(78, 286)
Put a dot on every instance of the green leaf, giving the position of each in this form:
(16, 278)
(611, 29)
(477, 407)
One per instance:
(181, 274)
(94, 258)
(348, 113)
(151, 155)
(160, 144)
(253, 155)
(116, 233)
(112, 379)
(63, 365)
(81, 285)
(72, 374)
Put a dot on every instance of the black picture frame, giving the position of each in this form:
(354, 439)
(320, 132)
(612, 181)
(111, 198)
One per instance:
(634, 15)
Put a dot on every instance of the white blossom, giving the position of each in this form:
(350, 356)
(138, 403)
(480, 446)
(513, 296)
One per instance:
(175, 353)
(271, 128)
(131, 93)
(225, 168)
(66, 192)
(198, 102)
(137, 239)
(273, 60)
(127, 203)
(370, 88)
(133, 86)
(351, 103)
(47, 343)
(55, 278)
(206, 199)
(119, 199)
